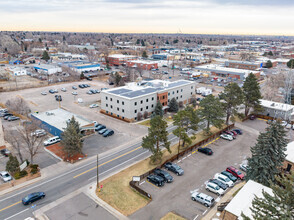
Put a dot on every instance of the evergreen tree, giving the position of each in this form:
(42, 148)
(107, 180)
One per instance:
(173, 105)
(270, 53)
(194, 102)
(144, 54)
(157, 136)
(138, 41)
(211, 111)
(268, 155)
(117, 78)
(185, 120)
(12, 164)
(176, 41)
(280, 205)
(142, 43)
(166, 42)
(290, 64)
(233, 97)
(251, 90)
(158, 109)
(72, 138)
(269, 64)
(45, 56)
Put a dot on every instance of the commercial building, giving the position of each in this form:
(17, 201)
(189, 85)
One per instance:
(47, 69)
(54, 121)
(215, 70)
(143, 64)
(119, 59)
(276, 109)
(18, 71)
(242, 202)
(126, 102)
(288, 164)
(86, 67)
(243, 65)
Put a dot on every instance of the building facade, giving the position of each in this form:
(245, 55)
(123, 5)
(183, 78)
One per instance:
(120, 59)
(126, 102)
(276, 109)
(143, 64)
(243, 65)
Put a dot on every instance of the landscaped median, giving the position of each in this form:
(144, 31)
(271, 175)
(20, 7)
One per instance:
(117, 191)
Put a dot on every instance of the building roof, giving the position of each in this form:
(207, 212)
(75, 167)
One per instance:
(290, 152)
(58, 118)
(133, 90)
(243, 200)
(45, 66)
(276, 105)
(120, 56)
(243, 62)
(221, 69)
(143, 61)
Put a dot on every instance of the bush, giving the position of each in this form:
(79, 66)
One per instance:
(139, 116)
(181, 104)
(34, 168)
(12, 164)
(145, 115)
(20, 174)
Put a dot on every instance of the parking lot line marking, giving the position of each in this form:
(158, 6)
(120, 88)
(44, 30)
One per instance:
(179, 161)
(204, 212)
(10, 206)
(184, 158)
(196, 217)
(189, 155)
(152, 184)
(17, 214)
(107, 162)
(141, 183)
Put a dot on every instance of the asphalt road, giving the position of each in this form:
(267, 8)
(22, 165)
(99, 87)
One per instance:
(67, 182)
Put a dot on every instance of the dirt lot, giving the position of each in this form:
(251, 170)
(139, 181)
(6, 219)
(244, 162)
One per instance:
(198, 169)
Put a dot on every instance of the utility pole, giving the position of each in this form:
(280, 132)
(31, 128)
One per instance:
(97, 174)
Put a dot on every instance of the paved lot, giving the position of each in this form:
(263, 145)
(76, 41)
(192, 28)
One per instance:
(79, 207)
(198, 169)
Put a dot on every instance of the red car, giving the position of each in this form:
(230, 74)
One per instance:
(234, 132)
(230, 133)
(235, 172)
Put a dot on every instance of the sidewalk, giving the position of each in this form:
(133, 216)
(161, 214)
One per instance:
(212, 214)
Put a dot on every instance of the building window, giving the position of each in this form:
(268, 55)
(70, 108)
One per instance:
(146, 100)
(106, 97)
(181, 96)
(111, 99)
(135, 103)
(117, 109)
(123, 103)
(123, 110)
(177, 97)
(152, 106)
(177, 91)
(141, 109)
(117, 101)
(173, 92)
(111, 106)
(152, 98)
(136, 111)
(118, 116)
(106, 112)
(181, 90)
(135, 118)
(146, 107)
(106, 105)
(123, 117)
(141, 101)
(169, 93)
(168, 100)
(191, 87)
(111, 113)
(191, 93)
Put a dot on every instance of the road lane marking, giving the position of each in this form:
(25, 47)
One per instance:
(107, 162)
(17, 214)
(10, 206)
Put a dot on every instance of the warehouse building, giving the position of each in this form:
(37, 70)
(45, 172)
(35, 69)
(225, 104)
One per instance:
(86, 67)
(47, 69)
(126, 102)
(243, 65)
(54, 121)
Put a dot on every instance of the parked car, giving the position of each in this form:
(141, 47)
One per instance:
(284, 123)
(88, 78)
(51, 91)
(244, 165)
(164, 174)
(224, 179)
(230, 176)
(289, 126)
(3, 110)
(234, 132)
(5, 176)
(230, 133)
(235, 172)
(81, 86)
(12, 118)
(63, 89)
(102, 131)
(5, 152)
(212, 187)
(90, 92)
(239, 131)
(226, 137)
(80, 100)
(94, 106)
(100, 127)
(44, 93)
(202, 198)
(157, 180)
(39, 133)
(33, 197)
(6, 115)
(252, 117)
(219, 183)
(174, 168)
(58, 98)
(52, 140)
(55, 90)
(74, 87)
(74, 93)
(107, 133)
(205, 150)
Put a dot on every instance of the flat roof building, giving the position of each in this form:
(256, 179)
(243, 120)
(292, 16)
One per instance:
(127, 101)
(288, 164)
(143, 64)
(119, 59)
(276, 109)
(243, 64)
(48, 69)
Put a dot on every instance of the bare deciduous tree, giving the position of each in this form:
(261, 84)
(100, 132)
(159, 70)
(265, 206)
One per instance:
(18, 105)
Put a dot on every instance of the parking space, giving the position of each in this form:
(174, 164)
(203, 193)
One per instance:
(199, 168)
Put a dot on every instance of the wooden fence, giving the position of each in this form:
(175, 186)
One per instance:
(177, 156)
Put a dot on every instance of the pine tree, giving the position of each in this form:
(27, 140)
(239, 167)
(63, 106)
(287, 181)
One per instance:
(72, 138)
(12, 164)
(251, 90)
(45, 56)
(144, 54)
(173, 105)
(138, 41)
(268, 155)
(270, 53)
(280, 205)
(290, 64)
(185, 120)
(233, 97)
(158, 109)
(211, 111)
(157, 136)
(142, 43)
(269, 64)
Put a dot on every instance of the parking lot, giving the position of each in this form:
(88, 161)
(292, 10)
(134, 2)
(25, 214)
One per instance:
(199, 168)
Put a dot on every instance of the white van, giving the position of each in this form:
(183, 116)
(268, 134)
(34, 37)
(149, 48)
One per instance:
(206, 92)
(212, 187)
(52, 140)
(200, 90)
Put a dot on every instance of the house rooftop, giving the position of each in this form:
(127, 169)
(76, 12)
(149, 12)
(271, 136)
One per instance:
(276, 105)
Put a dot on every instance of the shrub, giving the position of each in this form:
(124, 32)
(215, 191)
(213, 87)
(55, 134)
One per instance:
(34, 168)
(139, 116)
(181, 104)
(145, 115)
(20, 174)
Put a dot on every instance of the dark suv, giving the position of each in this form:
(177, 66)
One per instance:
(157, 180)
(165, 175)
(174, 168)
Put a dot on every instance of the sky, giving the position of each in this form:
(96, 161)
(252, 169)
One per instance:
(258, 17)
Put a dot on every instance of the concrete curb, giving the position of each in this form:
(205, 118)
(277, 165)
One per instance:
(54, 155)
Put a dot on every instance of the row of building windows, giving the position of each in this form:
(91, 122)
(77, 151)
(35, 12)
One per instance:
(141, 109)
(142, 101)
(117, 101)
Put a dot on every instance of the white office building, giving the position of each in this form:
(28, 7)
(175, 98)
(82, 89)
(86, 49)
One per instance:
(126, 102)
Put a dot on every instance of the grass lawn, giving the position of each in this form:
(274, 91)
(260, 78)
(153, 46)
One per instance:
(145, 123)
(117, 192)
(172, 216)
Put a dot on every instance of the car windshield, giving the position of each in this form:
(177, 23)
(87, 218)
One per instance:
(6, 175)
(238, 172)
(176, 166)
(217, 187)
(227, 179)
(26, 198)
